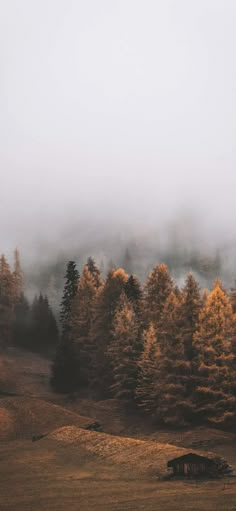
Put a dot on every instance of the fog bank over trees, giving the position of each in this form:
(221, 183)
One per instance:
(117, 132)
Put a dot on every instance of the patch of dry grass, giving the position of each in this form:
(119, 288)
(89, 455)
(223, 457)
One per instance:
(55, 476)
(22, 417)
(142, 456)
(8, 376)
(83, 470)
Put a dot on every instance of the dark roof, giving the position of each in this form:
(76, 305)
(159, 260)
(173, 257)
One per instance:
(190, 457)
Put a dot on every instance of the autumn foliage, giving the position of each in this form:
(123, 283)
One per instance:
(169, 352)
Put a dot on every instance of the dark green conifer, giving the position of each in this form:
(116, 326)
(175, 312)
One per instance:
(71, 285)
(66, 366)
(95, 272)
(43, 326)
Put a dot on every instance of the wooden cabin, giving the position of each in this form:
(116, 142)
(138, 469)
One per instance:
(191, 465)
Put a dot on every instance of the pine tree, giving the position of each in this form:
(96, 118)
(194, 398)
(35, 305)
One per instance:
(190, 309)
(71, 285)
(133, 292)
(213, 343)
(65, 371)
(174, 406)
(104, 308)
(43, 327)
(81, 318)
(123, 351)
(177, 292)
(18, 275)
(95, 272)
(66, 365)
(149, 372)
(7, 301)
(158, 287)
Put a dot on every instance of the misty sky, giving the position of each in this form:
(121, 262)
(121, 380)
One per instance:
(119, 109)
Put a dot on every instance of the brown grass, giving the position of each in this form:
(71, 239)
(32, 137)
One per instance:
(142, 456)
(54, 475)
(80, 470)
(22, 417)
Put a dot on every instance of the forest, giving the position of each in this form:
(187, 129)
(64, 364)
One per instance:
(168, 351)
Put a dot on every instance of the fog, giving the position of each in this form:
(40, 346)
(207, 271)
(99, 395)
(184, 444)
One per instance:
(117, 123)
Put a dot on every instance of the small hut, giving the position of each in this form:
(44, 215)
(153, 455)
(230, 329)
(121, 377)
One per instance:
(191, 465)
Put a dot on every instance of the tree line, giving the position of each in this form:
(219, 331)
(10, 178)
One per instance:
(169, 351)
(31, 326)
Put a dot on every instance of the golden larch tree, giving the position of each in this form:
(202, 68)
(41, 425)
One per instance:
(157, 289)
(124, 350)
(214, 359)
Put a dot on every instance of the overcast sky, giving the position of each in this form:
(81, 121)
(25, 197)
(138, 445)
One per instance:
(116, 108)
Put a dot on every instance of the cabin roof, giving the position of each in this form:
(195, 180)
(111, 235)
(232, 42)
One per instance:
(191, 458)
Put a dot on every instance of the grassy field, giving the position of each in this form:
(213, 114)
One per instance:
(73, 469)
(23, 417)
(53, 476)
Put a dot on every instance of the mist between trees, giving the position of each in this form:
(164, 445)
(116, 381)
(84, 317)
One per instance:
(166, 350)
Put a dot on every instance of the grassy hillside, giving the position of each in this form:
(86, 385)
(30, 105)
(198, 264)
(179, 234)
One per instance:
(76, 469)
(53, 475)
(22, 417)
(138, 455)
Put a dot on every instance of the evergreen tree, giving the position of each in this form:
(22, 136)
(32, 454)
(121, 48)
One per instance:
(133, 292)
(149, 372)
(7, 301)
(177, 292)
(158, 287)
(173, 403)
(190, 309)
(66, 365)
(95, 272)
(18, 275)
(71, 285)
(214, 364)
(104, 308)
(43, 327)
(123, 351)
(81, 318)
(65, 371)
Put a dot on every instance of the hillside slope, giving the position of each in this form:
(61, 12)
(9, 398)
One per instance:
(22, 417)
(137, 455)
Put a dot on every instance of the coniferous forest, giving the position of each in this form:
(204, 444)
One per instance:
(31, 326)
(168, 351)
